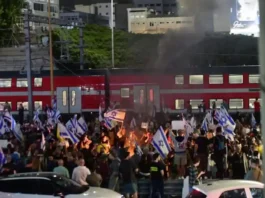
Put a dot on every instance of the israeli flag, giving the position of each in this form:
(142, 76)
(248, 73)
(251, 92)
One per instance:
(54, 104)
(65, 133)
(17, 133)
(109, 124)
(3, 126)
(8, 117)
(205, 124)
(225, 120)
(160, 143)
(253, 121)
(117, 115)
(71, 125)
(2, 158)
(81, 126)
(36, 118)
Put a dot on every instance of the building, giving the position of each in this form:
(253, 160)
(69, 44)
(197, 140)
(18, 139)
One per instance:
(74, 18)
(100, 9)
(159, 6)
(121, 16)
(141, 21)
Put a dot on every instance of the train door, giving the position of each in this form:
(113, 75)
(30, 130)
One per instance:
(69, 99)
(145, 97)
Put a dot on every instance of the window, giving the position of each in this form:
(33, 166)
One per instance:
(141, 99)
(107, 13)
(73, 98)
(256, 192)
(238, 193)
(24, 104)
(218, 102)
(107, 6)
(216, 79)
(64, 98)
(195, 103)
(151, 95)
(2, 104)
(179, 80)
(235, 79)
(196, 79)
(22, 82)
(53, 9)
(37, 82)
(179, 104)
(125, 92)
(38, 6)
(6, 82)
(236, 104)
(251, 102)
(38, 105)
(253, 78)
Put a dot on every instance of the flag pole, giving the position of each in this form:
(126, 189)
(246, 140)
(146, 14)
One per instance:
(51, 52)
(262, 74)
(112, 34)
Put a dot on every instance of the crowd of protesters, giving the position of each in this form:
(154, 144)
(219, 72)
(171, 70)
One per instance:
(108, 158)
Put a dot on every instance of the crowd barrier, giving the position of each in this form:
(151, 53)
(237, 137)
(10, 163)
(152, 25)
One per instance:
(172, 188)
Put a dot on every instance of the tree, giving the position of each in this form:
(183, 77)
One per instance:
(10, 10)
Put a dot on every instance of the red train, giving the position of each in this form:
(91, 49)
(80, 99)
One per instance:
(136, 88)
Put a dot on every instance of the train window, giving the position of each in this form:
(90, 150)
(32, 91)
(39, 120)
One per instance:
(253, 79)
(125, 92)
(24, 104)
(195, 103)
(73, 98)
(179, 80)
(179, 104)
(22, 82)
(2, 105)
(218, 102)
(141, 99)
(64, 98)
(196, 79)
(37, 82)
(235, 79)
(38, 105)
(236, 104)
(251, 102)
(216, 79)
(5, 82)
(151, 95)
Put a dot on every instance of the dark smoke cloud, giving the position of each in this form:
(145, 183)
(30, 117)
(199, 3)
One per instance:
(174, 46)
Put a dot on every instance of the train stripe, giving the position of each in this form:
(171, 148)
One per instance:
(117, 92)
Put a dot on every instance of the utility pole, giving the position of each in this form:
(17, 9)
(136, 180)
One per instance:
(28, 62)
(81, 43)
(51, 53)
(112, 35)
(262, 76)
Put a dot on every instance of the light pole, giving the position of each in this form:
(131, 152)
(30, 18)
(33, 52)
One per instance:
(51, 56)
(112, 35)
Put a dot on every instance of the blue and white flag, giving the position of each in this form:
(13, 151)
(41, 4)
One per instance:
(138, 150)
(253, 121)
(81, 126)
(65, 133)
(36, 118)
(109, 124)
(225, 120)
(117, 115)
(17, 133)
(205, 124)
(160, 143)
(54, 104)
(133, 124)
(2, 158)
(71, 125)
(3, 126)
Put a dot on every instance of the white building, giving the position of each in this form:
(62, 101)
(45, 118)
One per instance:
(141, 22)
(101, 9)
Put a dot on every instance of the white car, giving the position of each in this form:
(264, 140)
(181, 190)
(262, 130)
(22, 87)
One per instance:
(47, 185)
(228, 189)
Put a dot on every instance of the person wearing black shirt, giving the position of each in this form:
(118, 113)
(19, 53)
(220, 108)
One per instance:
(201, 150)
(157, 174)
(128, 169)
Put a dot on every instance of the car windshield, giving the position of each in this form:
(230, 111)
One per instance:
(69, 186)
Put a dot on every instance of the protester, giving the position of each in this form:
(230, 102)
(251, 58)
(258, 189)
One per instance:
(80, 173)
(60, 169)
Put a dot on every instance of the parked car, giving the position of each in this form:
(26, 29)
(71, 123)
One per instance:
(47, 185)
(228, 189)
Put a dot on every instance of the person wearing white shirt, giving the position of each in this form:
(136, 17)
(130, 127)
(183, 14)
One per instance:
(81, 172)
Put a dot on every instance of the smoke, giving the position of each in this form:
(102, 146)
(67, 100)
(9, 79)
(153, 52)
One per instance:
(174, 47)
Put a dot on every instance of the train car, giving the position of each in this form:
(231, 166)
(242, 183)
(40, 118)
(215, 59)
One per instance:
(136, 89)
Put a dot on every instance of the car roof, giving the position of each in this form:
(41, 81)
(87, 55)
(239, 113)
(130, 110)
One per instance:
(32, 175)
(226, 185)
